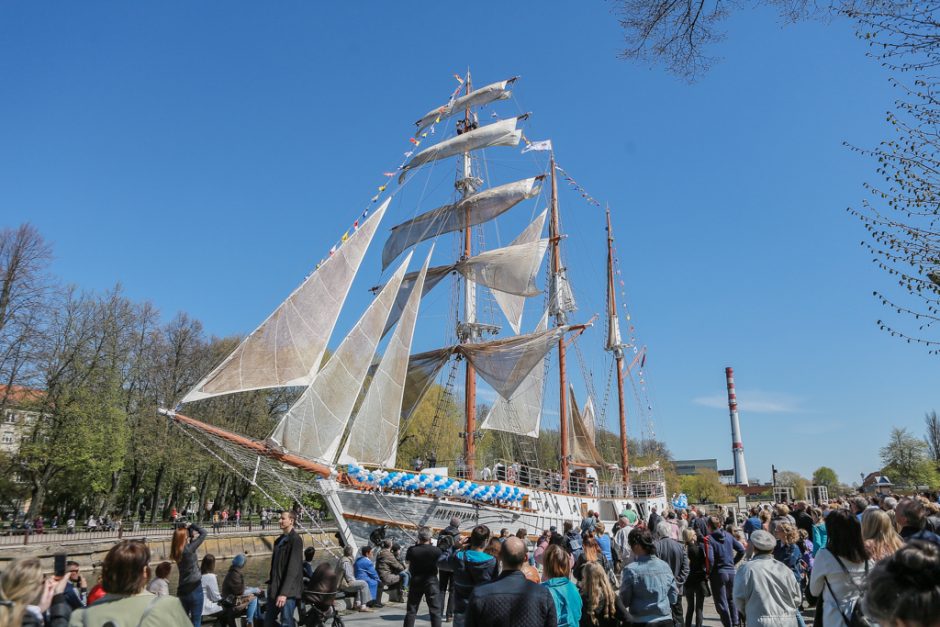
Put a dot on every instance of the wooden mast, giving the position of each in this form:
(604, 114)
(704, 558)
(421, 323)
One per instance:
(559, 320)
(618, 352)
(470, 383)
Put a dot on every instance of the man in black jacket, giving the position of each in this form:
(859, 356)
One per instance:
(511, 599)
(422, 562)
(447, 539)
(286, 583)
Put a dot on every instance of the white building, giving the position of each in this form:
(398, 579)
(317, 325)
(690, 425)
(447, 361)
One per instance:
(16, 419)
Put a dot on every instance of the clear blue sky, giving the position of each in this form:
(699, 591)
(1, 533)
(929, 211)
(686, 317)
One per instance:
(205, 155)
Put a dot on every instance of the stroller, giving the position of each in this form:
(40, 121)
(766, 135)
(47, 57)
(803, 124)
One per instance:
(320, 595)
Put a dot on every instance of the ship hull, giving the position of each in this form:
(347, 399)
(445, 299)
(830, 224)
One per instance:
(402, 514)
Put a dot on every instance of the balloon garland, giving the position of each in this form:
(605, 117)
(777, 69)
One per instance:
(436, 485)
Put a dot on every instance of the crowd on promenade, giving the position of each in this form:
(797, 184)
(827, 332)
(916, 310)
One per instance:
(847, 563)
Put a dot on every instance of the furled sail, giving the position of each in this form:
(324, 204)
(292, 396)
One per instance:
(614, 342)
(373, 438)
(504, 364)
(583, 450)
(510, 272)
(522, 413)
(479, 208)
(422, 370)
(476, 98)
(287, 348)
(314, 425)
(512, 302)
(432, 277)
(561, 298)
(502, 133)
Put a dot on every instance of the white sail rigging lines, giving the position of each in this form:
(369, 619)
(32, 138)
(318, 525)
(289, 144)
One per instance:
(522, 412)
(374, 436)
(476, 98)
(314, 425)
(509, 272)
(475, 209)
(502, 133)
(286, 349)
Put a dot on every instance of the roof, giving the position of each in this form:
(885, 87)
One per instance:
(17, 395)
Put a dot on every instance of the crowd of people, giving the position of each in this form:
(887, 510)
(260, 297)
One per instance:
(843, 563)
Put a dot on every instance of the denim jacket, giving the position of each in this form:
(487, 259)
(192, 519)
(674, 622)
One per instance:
(648, 589)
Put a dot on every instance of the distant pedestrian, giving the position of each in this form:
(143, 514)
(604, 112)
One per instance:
(216, 522)
(285, 585)
(696, 584)
(422, 563)
(674, 554)
(511, 599)
(446, 542)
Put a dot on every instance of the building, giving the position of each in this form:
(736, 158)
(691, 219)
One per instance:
(877, 483)
(692, 466)
(17, 416)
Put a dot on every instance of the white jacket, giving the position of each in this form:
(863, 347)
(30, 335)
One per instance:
(765, 591)
(846, 587)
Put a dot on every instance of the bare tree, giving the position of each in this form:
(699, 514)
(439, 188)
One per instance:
(680, 33)
(932, 420)
(24, 285)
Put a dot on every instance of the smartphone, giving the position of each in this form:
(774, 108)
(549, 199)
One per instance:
(60, 564)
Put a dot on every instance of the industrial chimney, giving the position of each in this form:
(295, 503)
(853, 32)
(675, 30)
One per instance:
(737, 447)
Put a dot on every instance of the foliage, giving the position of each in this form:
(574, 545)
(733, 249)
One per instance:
(794, 480)
(825, 476)
(906, 462)
(705, 486)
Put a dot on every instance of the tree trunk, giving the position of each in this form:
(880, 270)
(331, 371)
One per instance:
(220, 492)
(38, 493)
(203, 486)
(155, 499)
(108, 503)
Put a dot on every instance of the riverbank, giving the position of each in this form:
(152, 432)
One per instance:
(89, 552)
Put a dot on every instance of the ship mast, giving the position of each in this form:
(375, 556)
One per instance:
(618, 352)
(466, 186)
(555, 238)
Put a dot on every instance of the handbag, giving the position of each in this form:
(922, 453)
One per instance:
(856, 617)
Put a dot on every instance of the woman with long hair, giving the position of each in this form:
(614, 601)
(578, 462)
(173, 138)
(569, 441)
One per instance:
(210, 586)
(557, 575)
(601, 605)
(591, 553)
(696, 584)
(879, 534)
(124, 575)
(25, 595)
(840, 569)
(183, 552)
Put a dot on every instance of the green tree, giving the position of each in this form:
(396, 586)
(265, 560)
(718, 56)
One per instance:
(794, 480)
(705, 486)
(825, 476)
(906, 462)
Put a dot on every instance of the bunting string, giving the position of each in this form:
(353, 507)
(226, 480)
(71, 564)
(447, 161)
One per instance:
(577, 187)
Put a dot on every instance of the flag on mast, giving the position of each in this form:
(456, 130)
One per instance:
(545, 144)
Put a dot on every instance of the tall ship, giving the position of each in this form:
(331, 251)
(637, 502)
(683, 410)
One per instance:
(341, 436)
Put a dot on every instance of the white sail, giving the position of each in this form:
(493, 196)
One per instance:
(422, 370)
(512, 302)
(561, 298)
(583, 450)
(476, 98)
(502, 133)
(522, 413)
(373, 438)
(287, 348)
(614, 342)
(479, 208)
(504, 364)
(587, 415)
(432, 277)
(315, 423)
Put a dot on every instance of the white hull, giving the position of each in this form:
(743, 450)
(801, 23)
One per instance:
(365, 511)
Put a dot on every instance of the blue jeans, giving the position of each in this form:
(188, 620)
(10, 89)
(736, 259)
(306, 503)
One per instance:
(192, 605)
(271, 612)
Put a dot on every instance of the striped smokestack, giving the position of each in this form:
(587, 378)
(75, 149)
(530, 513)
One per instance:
(737, 446)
